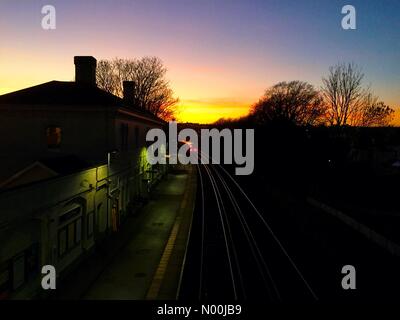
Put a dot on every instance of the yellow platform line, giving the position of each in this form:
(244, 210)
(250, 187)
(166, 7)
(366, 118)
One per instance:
(162, 266)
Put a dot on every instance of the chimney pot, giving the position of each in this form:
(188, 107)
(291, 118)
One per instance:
(129, 92)
(85, 70)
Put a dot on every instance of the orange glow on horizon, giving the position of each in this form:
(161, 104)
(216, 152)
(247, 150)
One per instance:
(194, 111)
(206, 95)
(217, 64)
(208, 111)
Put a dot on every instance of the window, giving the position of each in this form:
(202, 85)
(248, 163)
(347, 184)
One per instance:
(5, 280)
(32, 261)
(70, 232)
(70, 215)
(124, 136)
(69, 237)
(102, 217)
(18, 271)
(90, 220)
(62, 242)
(15, 272)
(136, 136)
(53, 136)
(78, 231)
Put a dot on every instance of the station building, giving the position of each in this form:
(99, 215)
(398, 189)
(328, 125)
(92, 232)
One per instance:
(72, 167)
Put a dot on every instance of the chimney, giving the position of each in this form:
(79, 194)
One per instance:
(85, 70)
(129, 92)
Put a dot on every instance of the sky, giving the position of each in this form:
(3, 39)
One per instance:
(221, 55)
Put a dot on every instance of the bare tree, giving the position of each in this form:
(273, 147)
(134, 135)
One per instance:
(105, 76)
(343, 93)
(373, 113)
(296, 102)
(348, 103)
(152, 90)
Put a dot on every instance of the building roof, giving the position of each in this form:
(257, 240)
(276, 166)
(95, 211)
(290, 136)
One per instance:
(34, 172)
(43, 169)
(61, 93)
(69, 93)
(65, 164)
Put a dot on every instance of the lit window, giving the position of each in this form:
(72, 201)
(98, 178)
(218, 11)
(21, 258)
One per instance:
(53, 135)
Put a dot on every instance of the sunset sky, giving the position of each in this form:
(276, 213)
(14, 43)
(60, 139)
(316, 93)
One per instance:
(221, 55)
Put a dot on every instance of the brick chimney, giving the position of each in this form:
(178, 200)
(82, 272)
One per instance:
(85, 70)
(129, 92)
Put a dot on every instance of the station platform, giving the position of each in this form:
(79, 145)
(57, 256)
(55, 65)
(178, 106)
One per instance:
(144, 260)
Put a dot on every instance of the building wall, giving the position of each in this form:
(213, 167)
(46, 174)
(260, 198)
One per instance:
(85, 131)
(54, 212)
(58, 220)
(42, 221)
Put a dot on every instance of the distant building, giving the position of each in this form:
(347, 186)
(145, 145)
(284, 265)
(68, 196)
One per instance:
(378, 148)
(73, 165)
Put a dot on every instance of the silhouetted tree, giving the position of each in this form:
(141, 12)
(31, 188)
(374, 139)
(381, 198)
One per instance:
(152, 91)
(373, 113)
(106, 77)
(294, 102)
(348, 103)
(343, 93)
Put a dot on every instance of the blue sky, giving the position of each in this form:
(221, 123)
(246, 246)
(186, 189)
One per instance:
(221, 55)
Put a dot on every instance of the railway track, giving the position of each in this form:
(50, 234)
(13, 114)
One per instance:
(233, 253)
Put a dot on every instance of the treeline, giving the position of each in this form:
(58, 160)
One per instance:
(343, 100)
